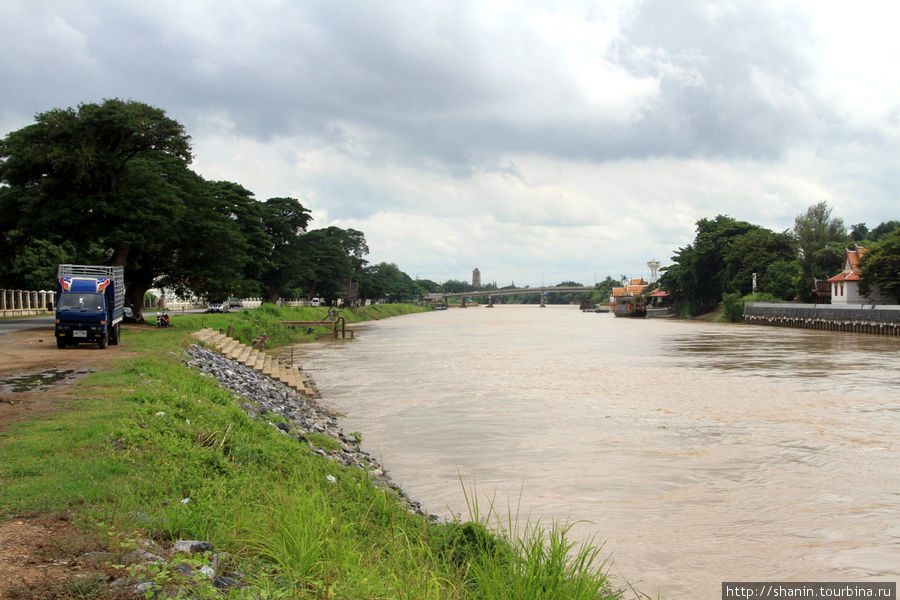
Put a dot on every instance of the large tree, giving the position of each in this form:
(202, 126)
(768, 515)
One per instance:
(753, 252)
(392, 284)
(285, 265)
(700, 273)
(334, 256)
(880, 266)
(883, 229)
(109, 183)
(603, 290)
(820, 239)
(783, 279)
(78, 169)
(161, 192)
(103, 184)
(213, 245)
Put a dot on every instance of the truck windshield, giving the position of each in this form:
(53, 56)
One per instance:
(81, 302)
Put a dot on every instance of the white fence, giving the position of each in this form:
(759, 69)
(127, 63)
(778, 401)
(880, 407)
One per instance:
(175, 304)
(23, 303)
(20, 303)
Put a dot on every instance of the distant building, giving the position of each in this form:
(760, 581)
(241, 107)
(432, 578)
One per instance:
(476, 278)
(628, 290)
(845, 285)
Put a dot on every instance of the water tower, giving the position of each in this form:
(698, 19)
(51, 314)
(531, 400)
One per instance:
(654, 267)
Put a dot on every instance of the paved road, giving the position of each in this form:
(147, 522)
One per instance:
(7, 325)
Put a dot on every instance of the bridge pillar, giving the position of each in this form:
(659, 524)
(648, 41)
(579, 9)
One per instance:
(490, 301)
(543, 297)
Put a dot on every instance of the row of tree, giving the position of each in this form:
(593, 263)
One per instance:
(728, 256)
(601, 293)
(110, 183)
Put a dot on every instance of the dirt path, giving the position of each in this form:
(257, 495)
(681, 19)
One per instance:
(34, 351)
(39, 552)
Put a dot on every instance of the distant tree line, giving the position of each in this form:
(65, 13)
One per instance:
(110, 183)
(726, 253)
(600, 294)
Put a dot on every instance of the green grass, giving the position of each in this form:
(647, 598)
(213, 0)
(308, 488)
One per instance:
(149, 448)
(247, 324)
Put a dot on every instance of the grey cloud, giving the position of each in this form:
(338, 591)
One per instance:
(714, 62)
(433, 85)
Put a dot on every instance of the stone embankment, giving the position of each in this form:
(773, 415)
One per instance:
(286, 398)
(257, 360)
(869, 318)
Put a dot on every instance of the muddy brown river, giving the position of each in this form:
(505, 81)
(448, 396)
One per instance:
(696, 452)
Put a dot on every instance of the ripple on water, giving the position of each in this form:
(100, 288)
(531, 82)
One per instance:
(700, 452)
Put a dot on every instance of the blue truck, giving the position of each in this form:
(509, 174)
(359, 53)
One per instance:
(89, 304)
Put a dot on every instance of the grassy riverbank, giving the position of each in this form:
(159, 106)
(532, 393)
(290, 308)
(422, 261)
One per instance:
(149, 449)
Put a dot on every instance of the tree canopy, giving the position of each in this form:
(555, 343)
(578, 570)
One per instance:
(821, 240)
(880, 266)
(110, 183)
(724, 255)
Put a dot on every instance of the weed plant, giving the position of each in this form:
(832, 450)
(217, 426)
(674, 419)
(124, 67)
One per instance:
(150, 448)
(733, 306)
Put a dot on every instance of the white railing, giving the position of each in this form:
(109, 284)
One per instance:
(20, 303)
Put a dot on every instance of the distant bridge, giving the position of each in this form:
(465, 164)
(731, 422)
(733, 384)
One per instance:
(543, 291)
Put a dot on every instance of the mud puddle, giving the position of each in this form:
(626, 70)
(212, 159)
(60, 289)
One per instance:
(40, 381)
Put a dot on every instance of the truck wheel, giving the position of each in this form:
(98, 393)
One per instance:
(114, 335)
(60, 342)
(103, 341)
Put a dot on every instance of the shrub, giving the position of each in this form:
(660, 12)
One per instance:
(732, 308)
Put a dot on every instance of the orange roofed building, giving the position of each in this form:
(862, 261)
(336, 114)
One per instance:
(845, 285)
(635, 287)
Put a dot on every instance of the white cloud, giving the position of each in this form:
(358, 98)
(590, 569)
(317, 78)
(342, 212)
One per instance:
(853, 50)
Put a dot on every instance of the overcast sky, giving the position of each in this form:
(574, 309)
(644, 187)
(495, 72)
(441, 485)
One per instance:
(535, 140)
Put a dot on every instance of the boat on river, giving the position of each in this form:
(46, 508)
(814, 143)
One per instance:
(629, 306)
(627, 300)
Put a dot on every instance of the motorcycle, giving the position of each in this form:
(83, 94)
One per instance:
(162, 319)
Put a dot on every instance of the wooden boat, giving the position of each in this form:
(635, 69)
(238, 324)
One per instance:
(630, 306)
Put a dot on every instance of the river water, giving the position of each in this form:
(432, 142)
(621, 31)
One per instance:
(696, 452)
